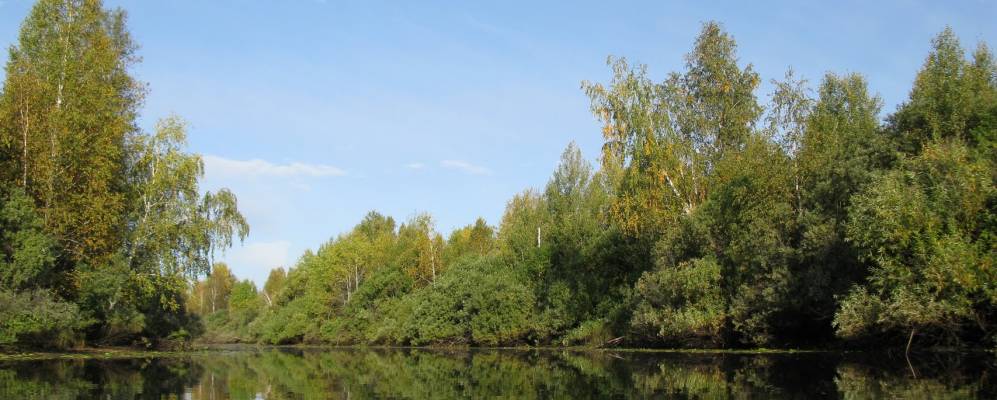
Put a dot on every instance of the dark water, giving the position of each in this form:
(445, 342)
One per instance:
(521, 374)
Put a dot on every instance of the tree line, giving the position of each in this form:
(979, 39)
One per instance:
(102, 225)
(713, 220)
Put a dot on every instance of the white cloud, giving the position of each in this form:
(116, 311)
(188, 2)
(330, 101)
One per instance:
(466, 167)
(255, 260)
(257, 167)
(415, 165)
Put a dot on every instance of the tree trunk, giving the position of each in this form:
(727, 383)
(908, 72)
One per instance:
(432, 261)
(907, 352)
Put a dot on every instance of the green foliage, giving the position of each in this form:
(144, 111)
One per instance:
(472, 240)
(520, 233)
(69, 104)
(477, 302)
(27, 254)
(274, 285)
(952, 98)
(711, 220)
(370, 315)
(97, 216)
(37, 318)
(176, 229)
(681, 303)
(926, 227)
(419, 250)
(243, 303)
(663, 141)
(922, 227)
(112, 294)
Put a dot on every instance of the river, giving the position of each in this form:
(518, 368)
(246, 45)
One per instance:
(353, 373)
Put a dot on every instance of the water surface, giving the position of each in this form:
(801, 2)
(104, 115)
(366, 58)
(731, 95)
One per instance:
(280, 373)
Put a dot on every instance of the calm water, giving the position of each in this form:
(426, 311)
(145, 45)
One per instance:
(410, 373)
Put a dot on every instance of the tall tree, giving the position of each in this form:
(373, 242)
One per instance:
(174, 229)
(69, 104)
(840, 151)
(420, 249)
(666, 139)
(952, 98)
(927, 228)
(476, 239)
(218, 287)
(273, 286)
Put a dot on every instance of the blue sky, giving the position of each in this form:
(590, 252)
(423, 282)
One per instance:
(315, 112)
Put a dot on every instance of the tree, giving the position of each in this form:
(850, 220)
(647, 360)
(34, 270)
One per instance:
(175, 229)
(350, 257)
(840, 152)
(94, 211)
(666, 139)
(952, 98)
(69, 105)
(924, 228)
(477, 239)
(273, 286)
(27, 254)
(30, 313)
(520, 237)
(217, 288)
(420, 249)
(584, 270)
(243, 303)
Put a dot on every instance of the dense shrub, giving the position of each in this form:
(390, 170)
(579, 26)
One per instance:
(477, 302)
(37, 318)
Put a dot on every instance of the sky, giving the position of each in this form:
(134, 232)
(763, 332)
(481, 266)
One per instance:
(316, 112)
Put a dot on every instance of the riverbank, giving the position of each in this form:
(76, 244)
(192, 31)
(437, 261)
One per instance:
(125, 352)
(92, 353)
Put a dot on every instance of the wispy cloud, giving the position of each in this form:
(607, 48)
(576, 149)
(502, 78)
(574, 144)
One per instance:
(415, 165)
(257, 167)
(465, 167)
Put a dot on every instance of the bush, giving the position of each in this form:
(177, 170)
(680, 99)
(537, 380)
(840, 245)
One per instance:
(682, 302)
(366, 316)
(476, 302)
(37, 318)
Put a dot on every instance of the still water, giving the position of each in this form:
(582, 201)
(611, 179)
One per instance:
(278, 373)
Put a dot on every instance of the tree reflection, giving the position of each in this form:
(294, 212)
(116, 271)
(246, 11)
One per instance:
(523, 374)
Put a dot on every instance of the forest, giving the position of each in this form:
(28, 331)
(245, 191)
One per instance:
(717, 217)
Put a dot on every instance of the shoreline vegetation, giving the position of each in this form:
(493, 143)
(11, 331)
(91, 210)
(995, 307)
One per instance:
(109, 353)
(718, 217)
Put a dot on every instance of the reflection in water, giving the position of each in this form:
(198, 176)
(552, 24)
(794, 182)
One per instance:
(417, 373)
